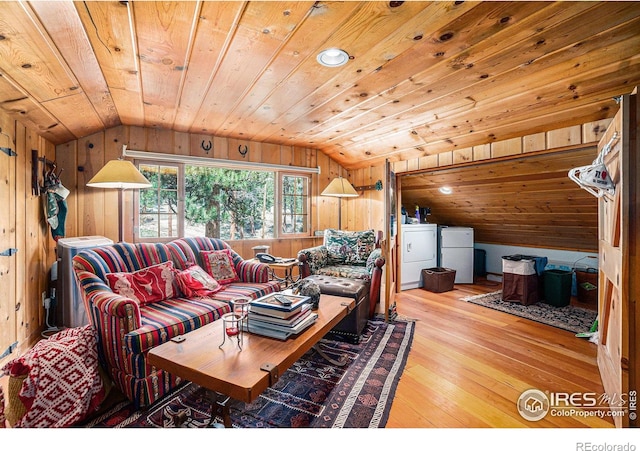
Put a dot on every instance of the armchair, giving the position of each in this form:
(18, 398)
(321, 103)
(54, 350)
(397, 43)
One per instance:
(353, 255)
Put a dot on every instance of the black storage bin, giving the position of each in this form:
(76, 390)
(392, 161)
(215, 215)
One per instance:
(557, 287)
(479, 262)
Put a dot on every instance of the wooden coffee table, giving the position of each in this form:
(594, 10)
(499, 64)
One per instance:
(242, 374)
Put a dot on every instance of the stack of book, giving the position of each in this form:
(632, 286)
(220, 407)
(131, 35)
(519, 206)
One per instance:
(280, 315)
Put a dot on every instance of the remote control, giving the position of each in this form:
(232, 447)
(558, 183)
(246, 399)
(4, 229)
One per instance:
(282, 300)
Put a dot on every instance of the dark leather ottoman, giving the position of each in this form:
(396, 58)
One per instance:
(353, 324)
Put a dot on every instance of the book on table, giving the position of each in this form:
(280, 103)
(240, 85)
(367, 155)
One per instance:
(291, 321)
(280, 315)
(279, 305)
(279, 331)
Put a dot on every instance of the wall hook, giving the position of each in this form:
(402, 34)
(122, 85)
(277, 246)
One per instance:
(243, 150)
(377, 186)
(7, 149)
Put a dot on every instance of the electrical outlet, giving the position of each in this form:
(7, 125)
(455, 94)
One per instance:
(44, 296)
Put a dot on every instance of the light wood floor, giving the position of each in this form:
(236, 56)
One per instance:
(469, 364)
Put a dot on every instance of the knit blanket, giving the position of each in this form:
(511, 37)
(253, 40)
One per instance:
(63, 384)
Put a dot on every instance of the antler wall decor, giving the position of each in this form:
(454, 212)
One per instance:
(377, 186)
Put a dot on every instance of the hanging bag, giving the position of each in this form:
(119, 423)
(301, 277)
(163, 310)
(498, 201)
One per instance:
(595, 177)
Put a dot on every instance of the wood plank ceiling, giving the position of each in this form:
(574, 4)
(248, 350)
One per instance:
(520, 202)
(423, 77)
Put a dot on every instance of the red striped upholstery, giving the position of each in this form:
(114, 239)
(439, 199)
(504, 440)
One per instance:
(127, 330)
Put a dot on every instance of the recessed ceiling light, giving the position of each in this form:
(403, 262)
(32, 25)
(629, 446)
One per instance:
(333, 57)
(446, 190)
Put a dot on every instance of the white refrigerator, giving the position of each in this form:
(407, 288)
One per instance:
(455, 246)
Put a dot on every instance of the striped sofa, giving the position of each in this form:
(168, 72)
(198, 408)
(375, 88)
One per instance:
(127, 330)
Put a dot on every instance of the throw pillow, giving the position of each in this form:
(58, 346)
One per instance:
(62, 383)
(145, 286)
(196, 282)
(220, 265)
(349, 248)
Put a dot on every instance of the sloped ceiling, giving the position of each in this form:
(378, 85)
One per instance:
(520, 202)
(423, 77)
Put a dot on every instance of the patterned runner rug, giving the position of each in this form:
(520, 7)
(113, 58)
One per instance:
(312, 393)
(573, 319)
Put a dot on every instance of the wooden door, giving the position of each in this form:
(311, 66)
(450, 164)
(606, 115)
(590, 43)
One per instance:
(7, 238)
(618, 218)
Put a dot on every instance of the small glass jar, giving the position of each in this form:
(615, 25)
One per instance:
(241, 308)
(231, 325)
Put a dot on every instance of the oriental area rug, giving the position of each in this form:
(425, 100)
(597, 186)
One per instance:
(313, 393)
(573, 319)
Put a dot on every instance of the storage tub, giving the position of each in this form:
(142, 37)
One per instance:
(557, 287)
(438, 280)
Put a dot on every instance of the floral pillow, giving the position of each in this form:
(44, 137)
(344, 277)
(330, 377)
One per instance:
(196, 282)
(220, 265)
(350, 248)
(152, 284)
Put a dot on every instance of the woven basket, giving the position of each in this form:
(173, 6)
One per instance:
(15, 409)
(438, 280)
(2, 417)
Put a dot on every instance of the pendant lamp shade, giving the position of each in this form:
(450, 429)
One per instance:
(339, 187)
(119, 174)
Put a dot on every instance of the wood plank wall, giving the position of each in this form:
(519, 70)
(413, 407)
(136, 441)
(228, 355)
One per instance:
(513, 192)
(91, 210)
(588, 133)
(23, 276)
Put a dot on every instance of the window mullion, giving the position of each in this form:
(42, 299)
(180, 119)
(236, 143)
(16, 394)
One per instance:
(181, 200)
(278, 202)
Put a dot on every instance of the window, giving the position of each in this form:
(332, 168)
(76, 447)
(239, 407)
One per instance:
(228, 203)
(232, 204)
(295, 204)
(158, 211)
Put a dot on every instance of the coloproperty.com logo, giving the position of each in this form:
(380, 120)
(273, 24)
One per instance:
(534, 405)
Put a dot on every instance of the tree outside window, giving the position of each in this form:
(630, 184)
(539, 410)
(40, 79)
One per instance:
(158, 215)
(295, 204)
(218, 202)
(229, 204)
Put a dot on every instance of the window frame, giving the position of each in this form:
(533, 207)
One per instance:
(279, 201)
(180, 203)
(279, 174)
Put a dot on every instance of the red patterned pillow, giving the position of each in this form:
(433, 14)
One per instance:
(152, 284)
(62, 384)
(220, 265)
(195, 282)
